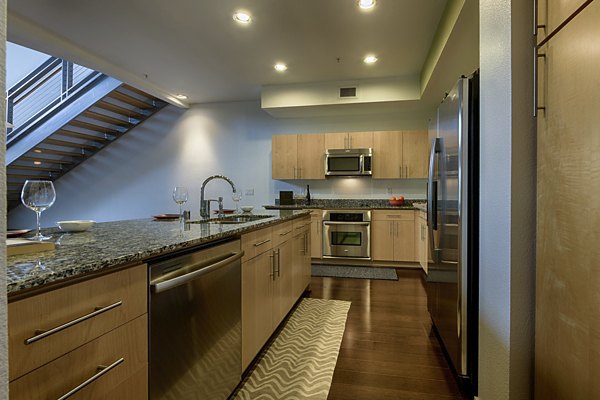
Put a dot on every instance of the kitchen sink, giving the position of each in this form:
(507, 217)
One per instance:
(234, 219)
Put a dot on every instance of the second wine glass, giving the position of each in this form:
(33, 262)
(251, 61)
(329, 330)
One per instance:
(236, 197)
(180, 196)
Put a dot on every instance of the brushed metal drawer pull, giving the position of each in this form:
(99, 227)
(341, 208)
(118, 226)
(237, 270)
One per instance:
(285, 233)
(41, 334)
(102, 370)
(261, 243)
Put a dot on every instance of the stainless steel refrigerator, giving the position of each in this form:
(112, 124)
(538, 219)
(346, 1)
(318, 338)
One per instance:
(453, 220)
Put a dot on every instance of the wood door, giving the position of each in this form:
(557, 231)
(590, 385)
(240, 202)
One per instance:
(404, 241)
(415, 154)
(387, 155)
(284, 153)
(249, 312)
(284, 299)
(297, 259)
(311, 156)
(360, 140)
(382, 245)
(567, 333)
(336, 140)
(307, 263)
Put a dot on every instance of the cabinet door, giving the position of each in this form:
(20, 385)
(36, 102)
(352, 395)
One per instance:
(307, 263)
(297, 256)
(382, 245)
(415, 154)
(404, 241)
(311, 156)
(283, 291)
(360, 140)
(336, 140)
(316, 240)
(263, 287)
(284, 155)
(387, 155)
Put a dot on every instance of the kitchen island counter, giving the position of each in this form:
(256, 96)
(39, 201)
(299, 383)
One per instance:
(120, 243)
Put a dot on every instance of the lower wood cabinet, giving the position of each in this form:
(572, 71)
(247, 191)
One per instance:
(316, 234)
(61, 339)
(271, 282)
(421, 238)
(393, 235)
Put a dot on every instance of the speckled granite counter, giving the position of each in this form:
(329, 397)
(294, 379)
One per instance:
(342, 204)
(117, 243)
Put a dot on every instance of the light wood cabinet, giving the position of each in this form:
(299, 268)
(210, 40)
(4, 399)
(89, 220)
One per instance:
(316, 235)
(350, 140)
(85, 324)
(567, 294)
(393, 237)
(400, 155)
(302, 255)
(271, 278)
(298, 156)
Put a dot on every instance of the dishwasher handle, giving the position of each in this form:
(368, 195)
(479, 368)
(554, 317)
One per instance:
(158, 286)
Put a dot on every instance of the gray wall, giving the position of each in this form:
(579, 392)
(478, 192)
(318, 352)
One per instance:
(507, 249)
(3, 329)
(134, 177)
(20, 61)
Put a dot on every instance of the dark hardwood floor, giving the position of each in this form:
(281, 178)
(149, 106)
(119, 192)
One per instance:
(389, 350)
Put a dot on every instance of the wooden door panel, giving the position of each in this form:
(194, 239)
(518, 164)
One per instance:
(284, 149)
(415, 154)
(387, 154)
(311, 156)
(382, 245)
(337, 140)
(360, 140)
(404, 241)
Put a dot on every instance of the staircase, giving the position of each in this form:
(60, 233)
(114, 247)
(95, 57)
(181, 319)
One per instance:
(63, 114)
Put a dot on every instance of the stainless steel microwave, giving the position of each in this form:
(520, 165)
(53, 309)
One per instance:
(348, 162)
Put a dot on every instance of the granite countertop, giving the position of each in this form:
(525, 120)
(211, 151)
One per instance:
(348, 204)
(420, 206)
(111, 244)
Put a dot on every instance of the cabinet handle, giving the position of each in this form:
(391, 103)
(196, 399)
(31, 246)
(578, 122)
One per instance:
(305, 244)
(406, 171)
(102, 370)
(261, 243)
(278, 262)
(41, 334)
(350, 139)
(272, 257)
(285, 233)
(346, 142)
(400, 171)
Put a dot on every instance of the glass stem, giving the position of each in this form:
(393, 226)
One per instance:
(180, 212)
(38, 214)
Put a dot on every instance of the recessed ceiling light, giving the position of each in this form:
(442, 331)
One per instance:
(181, 96)
(370, 59)
(280, 67)
(242, 17)
(366, 4)
(37, 162)
(37, 151)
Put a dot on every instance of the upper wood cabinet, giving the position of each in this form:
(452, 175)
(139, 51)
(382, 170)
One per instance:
(351, 140)
(400, 155)
(298, 156)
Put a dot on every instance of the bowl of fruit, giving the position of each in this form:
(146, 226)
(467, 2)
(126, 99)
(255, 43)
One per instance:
(396, 201)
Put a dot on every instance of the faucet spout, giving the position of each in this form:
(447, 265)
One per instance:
(205, 204)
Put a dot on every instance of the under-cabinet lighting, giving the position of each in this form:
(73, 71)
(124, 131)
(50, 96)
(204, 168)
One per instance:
(242, 17)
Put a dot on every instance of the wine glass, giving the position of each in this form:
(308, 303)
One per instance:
(237, 196)
(38, 196)
(180, 196)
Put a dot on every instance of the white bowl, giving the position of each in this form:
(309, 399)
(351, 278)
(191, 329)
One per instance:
(75, 226)
(246, 208)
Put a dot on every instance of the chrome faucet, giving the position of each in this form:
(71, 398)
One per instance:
(205, 204)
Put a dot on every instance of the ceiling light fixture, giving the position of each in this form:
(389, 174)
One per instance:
(37, 162)
(37, 151)
(242, 17)
(280, 67)
(370, 59)
(366, 4)
(181, 96)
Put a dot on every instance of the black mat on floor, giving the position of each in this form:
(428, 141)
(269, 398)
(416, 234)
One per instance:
(351, 271)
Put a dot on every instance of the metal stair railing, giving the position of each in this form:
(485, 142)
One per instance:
(35, 96)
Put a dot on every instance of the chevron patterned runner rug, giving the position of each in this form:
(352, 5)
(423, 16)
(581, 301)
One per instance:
(299, 363)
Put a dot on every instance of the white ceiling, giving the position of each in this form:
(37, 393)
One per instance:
(195, 47)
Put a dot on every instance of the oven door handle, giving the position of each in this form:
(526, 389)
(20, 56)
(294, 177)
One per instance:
(346, 223)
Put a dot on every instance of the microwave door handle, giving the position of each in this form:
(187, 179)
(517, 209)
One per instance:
(361, 165)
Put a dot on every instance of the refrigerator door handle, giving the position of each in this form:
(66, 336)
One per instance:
(432, 187)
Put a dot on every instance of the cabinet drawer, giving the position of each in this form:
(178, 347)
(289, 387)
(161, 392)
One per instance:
(71, 316)
(395, 215)
(257, 242)
(124, 351)
(301, 225)
(282, 232)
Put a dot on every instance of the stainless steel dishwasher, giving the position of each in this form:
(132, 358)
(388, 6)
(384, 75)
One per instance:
(195, 324)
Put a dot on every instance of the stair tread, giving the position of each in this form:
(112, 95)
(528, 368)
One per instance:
(93, 127)
(106, 118)
(82, 136)
(65, 143)
(130, 100)
(105, 105)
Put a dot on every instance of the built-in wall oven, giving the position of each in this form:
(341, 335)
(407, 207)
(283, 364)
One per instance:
(347, 234)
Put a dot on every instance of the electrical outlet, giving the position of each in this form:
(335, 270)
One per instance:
(249, 192)
(389, 190)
